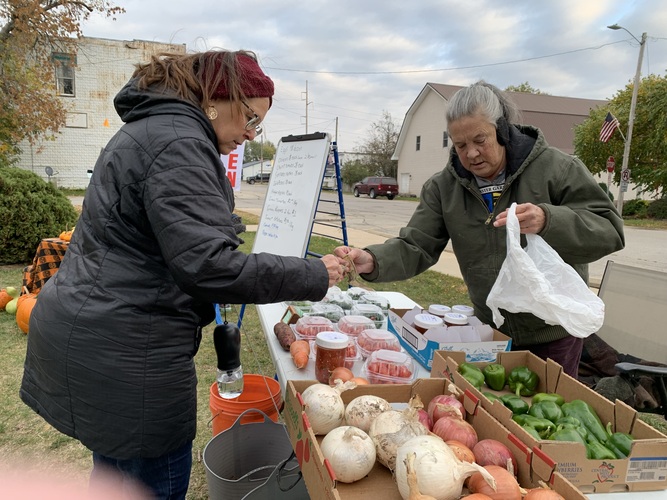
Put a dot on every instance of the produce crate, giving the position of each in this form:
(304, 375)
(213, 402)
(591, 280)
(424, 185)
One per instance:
(644, 470)
(320, 478)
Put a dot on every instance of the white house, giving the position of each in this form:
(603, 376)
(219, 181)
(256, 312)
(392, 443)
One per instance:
(423, 146)
(87, 82)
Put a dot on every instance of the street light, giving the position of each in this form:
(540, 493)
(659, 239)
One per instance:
(631, 119)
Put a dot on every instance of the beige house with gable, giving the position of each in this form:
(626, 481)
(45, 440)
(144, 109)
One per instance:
(87, 82)
(423, 145)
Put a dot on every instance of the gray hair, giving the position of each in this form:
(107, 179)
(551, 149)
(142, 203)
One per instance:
(484, 99)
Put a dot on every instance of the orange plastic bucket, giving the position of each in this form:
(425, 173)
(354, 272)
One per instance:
(259, 392)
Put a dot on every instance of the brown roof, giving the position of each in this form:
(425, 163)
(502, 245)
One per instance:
(555, 116)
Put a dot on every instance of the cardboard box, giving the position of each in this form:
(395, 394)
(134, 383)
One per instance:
(423, 346)
(320, 478)
(644, 470)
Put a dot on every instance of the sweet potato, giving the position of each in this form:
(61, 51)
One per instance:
(300, 350)
(285, 335)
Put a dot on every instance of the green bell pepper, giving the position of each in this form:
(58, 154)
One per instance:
(523, 381)
(543, 426)
(567, 434)
(516, 405)
(530, 430)
(582, 411)
(598, 451)
(494, 376)
(573, 423)
(472, 374)
(546, 409)
(492, 397)
(547, 396)
(619, 442)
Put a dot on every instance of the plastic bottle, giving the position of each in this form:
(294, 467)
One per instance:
(227, 342)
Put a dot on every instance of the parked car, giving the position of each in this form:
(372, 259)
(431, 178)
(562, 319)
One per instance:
(377, 186)
(263, 177)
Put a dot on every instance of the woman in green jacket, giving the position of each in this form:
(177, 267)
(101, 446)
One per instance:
(493, 163)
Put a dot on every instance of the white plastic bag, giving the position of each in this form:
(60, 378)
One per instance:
(536, 280)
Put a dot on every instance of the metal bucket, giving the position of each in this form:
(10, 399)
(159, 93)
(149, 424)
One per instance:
(253, 461)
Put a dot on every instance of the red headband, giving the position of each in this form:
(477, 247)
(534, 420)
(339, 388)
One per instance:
(254, 82)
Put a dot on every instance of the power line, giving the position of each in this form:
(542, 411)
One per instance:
(443, 69)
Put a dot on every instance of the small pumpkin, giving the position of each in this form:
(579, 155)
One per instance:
(5, 299)
(26, 302)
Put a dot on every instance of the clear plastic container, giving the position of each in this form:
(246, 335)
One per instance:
(356, 292)
(353, 324)
(373, 340)
(331, 351)
(461, 309)
(303, 306)
(389, 367)
(377, 300)
(308, 327)
(439, 309)
(424, 321)
(371, 311)
(352, 353)
(332, 312)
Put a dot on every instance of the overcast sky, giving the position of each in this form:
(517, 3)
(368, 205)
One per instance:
(362, 57)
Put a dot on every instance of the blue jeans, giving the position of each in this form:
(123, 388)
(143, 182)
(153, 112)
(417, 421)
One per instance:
(167, 477)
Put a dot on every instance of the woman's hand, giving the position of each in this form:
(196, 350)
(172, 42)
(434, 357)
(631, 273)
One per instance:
(531, 218)
(336, 267)
(363, 260)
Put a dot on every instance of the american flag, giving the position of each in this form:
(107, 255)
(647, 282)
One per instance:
(610, 124)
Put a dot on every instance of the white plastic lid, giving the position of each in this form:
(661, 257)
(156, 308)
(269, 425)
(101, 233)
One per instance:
(467, 310)
(438, 309)
(332, 340)
(456, 319)
(427, 320)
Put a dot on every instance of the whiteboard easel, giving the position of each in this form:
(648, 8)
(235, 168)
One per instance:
(291, 198)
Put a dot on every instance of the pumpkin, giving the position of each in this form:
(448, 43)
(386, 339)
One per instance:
(5, 298)
(8, 298)
(66, 235)
(23, 310)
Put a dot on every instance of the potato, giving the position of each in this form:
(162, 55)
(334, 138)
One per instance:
(285, 335)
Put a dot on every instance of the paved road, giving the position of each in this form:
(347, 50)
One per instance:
(644, 248)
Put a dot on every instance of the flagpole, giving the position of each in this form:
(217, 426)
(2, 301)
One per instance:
(631, 119)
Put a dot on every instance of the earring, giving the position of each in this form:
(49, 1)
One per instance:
(212, 113)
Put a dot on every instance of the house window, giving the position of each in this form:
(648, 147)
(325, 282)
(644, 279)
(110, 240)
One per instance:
(445, 139)
(419, 142)
(64, 65)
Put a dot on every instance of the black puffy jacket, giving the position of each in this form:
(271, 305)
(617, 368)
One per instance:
(114, 332)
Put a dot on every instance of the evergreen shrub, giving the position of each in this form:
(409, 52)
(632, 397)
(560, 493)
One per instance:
(635, 208)
(657, 209)
(31, 209)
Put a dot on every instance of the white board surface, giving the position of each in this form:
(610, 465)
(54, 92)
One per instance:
(291, 198)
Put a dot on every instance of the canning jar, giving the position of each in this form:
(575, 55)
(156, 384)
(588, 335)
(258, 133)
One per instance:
(455, 319)
(331, 350)
(423, 322)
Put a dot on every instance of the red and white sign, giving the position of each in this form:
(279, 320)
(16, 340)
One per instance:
(611, 164)
(233, 163)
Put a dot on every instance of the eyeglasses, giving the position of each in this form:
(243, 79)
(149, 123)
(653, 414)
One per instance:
(254, 122)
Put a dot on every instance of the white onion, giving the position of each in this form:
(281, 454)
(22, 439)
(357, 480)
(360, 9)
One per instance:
(390, 430)
(350, 452)
(439, 473)
(324, 406)
(362, 410)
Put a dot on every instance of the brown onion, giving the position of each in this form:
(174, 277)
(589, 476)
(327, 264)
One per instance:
(507, 487)
(341, 373)
(453, 428)
(462, 452)
(445, 405)
(477, 496)
(543, 494)
(360, 380)
(492, 452)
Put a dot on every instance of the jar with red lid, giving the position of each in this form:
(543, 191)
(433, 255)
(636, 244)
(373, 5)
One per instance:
(331, 351)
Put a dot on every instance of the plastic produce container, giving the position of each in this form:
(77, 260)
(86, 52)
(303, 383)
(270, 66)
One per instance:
(307, 327)
(373, 340)
(389, 367)
(353, 324)
(332, 312)
(371, 311)
(377, 300)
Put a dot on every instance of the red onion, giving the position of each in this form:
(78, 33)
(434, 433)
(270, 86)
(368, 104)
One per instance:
(445, 405)
(424, 418)
(492, 452)
(455, 429)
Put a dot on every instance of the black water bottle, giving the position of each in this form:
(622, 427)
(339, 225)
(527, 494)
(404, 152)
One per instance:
(227, 342)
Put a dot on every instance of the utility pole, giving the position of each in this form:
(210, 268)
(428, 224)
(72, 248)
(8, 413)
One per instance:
(307, 103)
(625, 175)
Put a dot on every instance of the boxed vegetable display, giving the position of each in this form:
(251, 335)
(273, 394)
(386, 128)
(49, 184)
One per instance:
(379, 483)
(480, 342)
(629, 455)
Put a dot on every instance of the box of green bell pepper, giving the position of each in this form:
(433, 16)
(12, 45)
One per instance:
(600, 446)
